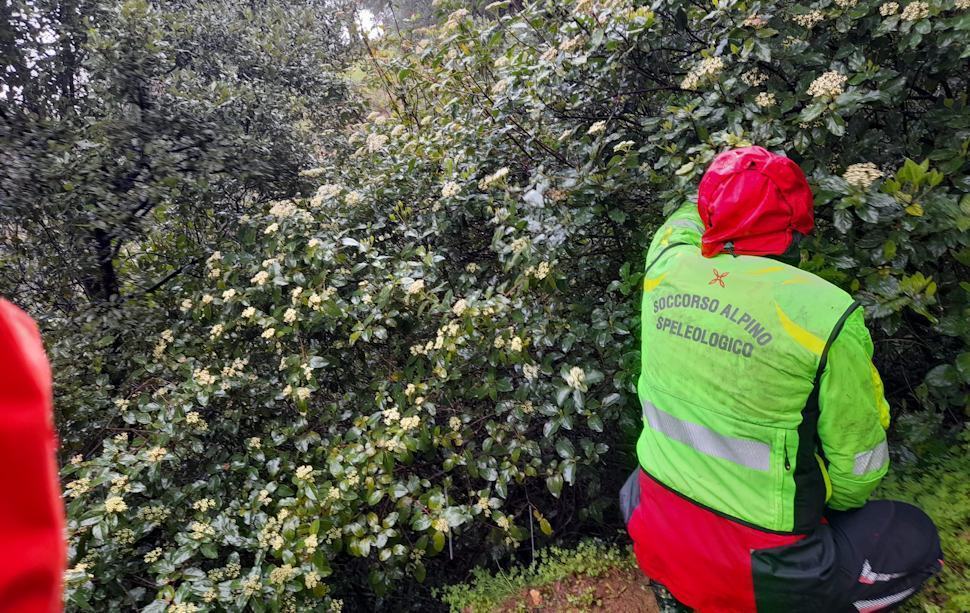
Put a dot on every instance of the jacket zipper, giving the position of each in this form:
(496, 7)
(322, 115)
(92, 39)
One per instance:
(787, 462)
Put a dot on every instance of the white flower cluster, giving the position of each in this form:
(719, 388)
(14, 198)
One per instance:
(455, 18)
(539, 272)
(571, 44)
(376, 142)
(269, 536)
(846, 4)
(576, 378)
(754, 77)
(154, 514)
(519, 245)
(862, 175)
(530, 371)
(203, 377)
(231, 571)
(165, 338)
(204, 504)
(765, 100)
(282, 209)
(831, 84)
(313, 173)
(450, 189)
(156, 454)
(889, 8)
(311, 579)
(235, 369)
(260, 278)
(194, 419)
(962, 5)
(251, 585)
(410, 423)
(353, 198)
(755, 21)
(597, 128)
(315, 300)
(706, 69)
(78, 487)
(281, 575)
(200, 530)
(623, 146)
(120, 485)
(325, 193)
(499, 87)
(493, 178)
(809, 20)
(915, 11)
(415, 287)
(115, 504)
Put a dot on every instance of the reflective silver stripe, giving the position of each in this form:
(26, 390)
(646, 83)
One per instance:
(869, 577)
(746, 452)
(881, 603)
(686, 223)
(871, 460)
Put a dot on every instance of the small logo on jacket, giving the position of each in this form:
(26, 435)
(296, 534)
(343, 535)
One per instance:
(719, 278)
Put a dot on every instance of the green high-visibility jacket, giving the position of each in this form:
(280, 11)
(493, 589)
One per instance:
(760, 400)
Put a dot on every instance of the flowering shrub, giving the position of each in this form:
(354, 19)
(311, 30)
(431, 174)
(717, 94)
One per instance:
(430, 356)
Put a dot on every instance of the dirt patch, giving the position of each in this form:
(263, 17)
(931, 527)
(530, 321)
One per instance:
(617, 591)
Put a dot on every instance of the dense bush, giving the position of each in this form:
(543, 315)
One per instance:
(430, 359)
(133, 131)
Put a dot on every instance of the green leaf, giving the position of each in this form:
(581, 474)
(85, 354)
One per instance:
(545, 526)
(835, 124)
(565, 449)
(811, 112)
(554, 483)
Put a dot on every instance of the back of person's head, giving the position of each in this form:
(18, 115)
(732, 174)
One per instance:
(753, 202)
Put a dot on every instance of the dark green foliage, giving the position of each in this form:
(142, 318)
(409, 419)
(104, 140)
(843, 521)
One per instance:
(438, 365)
(132, 146)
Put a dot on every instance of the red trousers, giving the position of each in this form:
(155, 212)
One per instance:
(864, 560)
(32, 548)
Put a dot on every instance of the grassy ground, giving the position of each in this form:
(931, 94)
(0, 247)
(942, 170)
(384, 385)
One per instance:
(592, 576)
(601, 576)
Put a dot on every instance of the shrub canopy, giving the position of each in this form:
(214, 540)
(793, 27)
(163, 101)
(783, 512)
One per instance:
(430, 358)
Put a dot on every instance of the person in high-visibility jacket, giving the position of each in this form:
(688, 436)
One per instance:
(32, 539)
(764, 419)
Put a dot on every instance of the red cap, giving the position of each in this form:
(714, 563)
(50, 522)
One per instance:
(751, 201)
